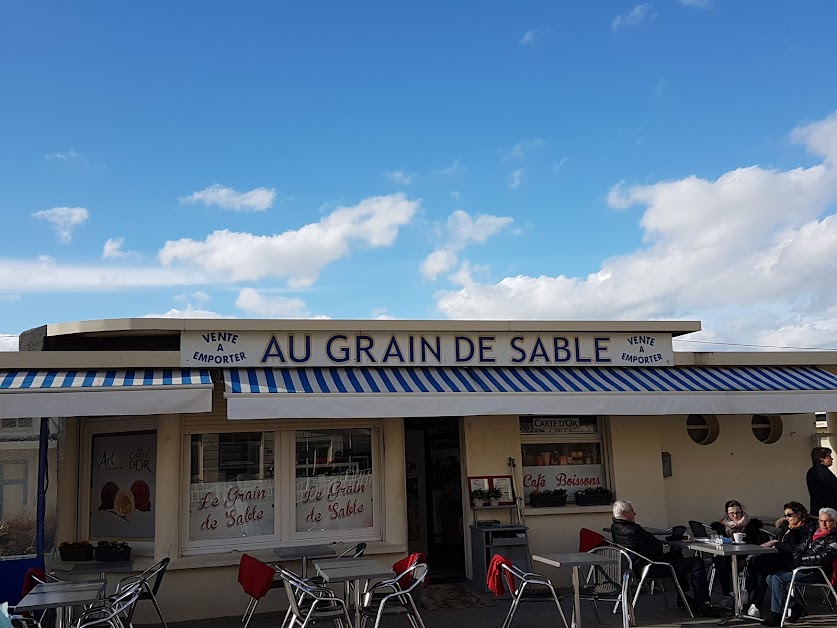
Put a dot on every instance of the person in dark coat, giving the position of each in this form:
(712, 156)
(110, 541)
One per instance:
(818, 550)
(791, 530)
(822, 483)
(691, 572)
(735, 520)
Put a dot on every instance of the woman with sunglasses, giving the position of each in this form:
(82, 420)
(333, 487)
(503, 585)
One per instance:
(791, 530)
(735, 520)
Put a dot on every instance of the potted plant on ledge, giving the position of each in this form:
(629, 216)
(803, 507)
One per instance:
(543, 499)
(598, 496)
(72, 551)
(494, 496)
(113, 551)
(479, 497)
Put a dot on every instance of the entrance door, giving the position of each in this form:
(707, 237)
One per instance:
(434, 495)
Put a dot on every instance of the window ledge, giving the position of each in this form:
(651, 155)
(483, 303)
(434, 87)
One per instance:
(566, 510)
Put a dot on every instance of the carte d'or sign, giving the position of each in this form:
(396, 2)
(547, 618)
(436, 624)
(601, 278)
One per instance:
(223, 348)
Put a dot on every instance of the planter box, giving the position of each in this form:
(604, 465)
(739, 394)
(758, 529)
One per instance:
(593, 500)
(76, 554)
(543, 501)
(106, 555)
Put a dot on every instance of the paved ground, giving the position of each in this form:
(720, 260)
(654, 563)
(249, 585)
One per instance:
(651, 612)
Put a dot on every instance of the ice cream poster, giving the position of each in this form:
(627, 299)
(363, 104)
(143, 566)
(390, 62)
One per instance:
(122, 498)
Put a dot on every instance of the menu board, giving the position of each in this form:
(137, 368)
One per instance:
(334, 502)
(123, 486)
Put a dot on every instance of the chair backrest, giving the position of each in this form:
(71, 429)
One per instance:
(255, 576)
(678, 530)
(514, 577)
(607, 579)
(153, 576)
(588, 539)
(356, 551)
(699, 529)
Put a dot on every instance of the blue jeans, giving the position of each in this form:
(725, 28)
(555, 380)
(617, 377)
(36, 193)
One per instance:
(778, 584)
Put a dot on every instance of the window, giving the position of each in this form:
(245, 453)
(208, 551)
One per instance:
(562, 452)
(767, 428)
(703, 428)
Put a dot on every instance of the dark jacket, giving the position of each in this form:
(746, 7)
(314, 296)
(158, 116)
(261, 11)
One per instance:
(821, 552)
(822, 488)
(752, 531)
(633, 536)
(789, 539)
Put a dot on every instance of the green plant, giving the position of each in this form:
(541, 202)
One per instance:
(479, 494)
(495, 493)
(554, 491)
(598, 490)
(113, 545)
(74, 545)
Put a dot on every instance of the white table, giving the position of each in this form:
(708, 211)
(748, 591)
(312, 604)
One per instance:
(357, 570)
(576, 560)
(61, 596)
(303, 553)
(733, 550)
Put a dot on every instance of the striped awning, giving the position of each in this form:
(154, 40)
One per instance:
(355, 392)
(100, 392)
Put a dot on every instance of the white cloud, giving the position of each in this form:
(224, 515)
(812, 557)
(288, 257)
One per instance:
(700, 4)
(188, 312)
(753, 252)
(257, 199)
(70, 155)
(640, 13)
(198, 296)
(382, 314)
(455, 168)
(298, 255)
(461, 230)
(255, 303)
(560, 164)
(8, 342)
(516, 178)
(113, 249)
(400, 177)
(529, 37)
(64, 220)
(524, 147)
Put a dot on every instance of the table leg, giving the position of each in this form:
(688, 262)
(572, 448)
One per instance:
(304, 569)
(357, 603)
(576, 600)
(736, 591)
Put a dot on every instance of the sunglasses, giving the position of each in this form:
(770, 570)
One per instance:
(788, 515)
(736, 513)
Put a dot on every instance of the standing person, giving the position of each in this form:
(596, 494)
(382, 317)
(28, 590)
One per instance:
(822, 483)
(818, 550)
(791, 530)
(735, 519)
(691, 572)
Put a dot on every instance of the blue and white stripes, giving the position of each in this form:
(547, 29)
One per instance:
(47, 380)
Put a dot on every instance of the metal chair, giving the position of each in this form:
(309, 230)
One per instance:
(825, 584)
(356, 551)
(113, 611)
(610, 583)
(257, 579)
(522, 580)
(150, 581)
(310, 604)
(388, 598)
(646, 576)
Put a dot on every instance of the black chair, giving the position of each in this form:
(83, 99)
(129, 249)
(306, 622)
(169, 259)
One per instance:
(699, 529)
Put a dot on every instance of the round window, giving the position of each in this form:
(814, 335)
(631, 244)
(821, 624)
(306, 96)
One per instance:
(767, 428)
(702, 428)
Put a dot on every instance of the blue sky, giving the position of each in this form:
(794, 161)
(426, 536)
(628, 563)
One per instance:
(565, 160)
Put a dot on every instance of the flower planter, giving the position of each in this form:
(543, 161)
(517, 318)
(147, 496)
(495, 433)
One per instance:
(602, 499)
(544, 501)
(75, 554)
(494, 502)
(107, 555)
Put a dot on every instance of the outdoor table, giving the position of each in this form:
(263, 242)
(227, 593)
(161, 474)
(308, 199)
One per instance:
(102, 567)
(576, 560)
(734, 550)
(303, 553)
(355, 570)
(62, 596)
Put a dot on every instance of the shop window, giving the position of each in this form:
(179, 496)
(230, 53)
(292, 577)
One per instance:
(232, 485)
(767, 428)
(123, 485)
(702, 428)
(334, 480)
(562, 452)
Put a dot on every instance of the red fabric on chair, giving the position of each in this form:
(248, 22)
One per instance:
(255, 576)
(494, 577)
(589, 539)
(834, 573)
(29, 583)
(404, 564)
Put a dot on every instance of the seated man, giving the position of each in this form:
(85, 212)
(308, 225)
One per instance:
(691, 572)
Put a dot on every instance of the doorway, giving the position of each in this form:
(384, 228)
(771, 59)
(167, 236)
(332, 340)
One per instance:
(434, 495)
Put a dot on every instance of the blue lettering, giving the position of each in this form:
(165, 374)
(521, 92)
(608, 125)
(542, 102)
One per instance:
(393, 350)
(485, 348)
(559, 345)
(344, 351)
(307, 355)
(273, 351)
(600, 347)
(363, 345)
(538, 351)
(411, 349)
(426, 348)
(458, 340)
(578, 357)
(514, 342)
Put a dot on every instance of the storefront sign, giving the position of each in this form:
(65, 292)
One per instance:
(123, 485)
(334, 502)
(571, 478)
(224, 510)
(295, 349)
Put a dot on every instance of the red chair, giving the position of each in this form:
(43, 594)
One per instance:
(256, 578)
(590, 539)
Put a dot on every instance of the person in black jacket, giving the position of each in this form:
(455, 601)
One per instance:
(792, 529)
(691, 572)
(818, 550)
(735, 520)
(822, 483)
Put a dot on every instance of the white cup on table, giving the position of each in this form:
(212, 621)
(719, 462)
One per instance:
(738, 537)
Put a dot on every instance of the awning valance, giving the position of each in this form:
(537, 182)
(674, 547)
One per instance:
(358, 392)
(53, 393)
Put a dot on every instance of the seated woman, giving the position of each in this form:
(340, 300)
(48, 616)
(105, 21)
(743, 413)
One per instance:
(735, 520)
(791, 530)
(818, 550)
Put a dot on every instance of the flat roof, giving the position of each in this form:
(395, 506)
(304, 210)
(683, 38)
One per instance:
(169, 326)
